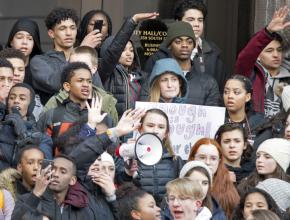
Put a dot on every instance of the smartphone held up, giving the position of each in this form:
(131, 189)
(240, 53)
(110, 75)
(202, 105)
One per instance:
(98, 25)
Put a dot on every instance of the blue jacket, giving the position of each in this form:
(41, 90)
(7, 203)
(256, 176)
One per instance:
(170, 65)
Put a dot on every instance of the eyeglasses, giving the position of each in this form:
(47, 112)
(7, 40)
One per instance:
(179, 199)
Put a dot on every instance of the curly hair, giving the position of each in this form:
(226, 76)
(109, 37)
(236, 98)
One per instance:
(247, 85)
(238, 212)
(128, 196)
(183, 5)
(60, 14)
(68, 71)
(5, 63)
(12, 53)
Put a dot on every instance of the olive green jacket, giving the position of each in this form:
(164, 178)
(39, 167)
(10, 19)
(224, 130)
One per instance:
(109, 102)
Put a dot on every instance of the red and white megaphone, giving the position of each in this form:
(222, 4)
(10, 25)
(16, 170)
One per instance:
(147, 149)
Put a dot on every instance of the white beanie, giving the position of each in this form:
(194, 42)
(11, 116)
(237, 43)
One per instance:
(192, 164)
(285, 96)
(107, 157)
(279, 190)
(279, 149)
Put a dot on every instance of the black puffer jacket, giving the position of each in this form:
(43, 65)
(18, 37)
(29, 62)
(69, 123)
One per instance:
(212, 63)
(154, 178)
(114, 76)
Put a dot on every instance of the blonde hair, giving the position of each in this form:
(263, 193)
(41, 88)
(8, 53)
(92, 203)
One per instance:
(8, 178)
(154, 94)
(155, 91)
(87, 50)
(186, 187)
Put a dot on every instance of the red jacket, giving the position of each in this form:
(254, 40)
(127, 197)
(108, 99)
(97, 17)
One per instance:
(246, 65)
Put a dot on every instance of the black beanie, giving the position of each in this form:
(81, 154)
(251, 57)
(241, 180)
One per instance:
(30, 26)
(178, 29)
(32, 97)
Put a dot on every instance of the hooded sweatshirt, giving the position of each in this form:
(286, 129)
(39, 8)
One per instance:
(169, 65)
(30, 26)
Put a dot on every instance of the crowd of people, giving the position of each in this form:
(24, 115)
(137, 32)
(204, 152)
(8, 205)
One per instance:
(66, 113)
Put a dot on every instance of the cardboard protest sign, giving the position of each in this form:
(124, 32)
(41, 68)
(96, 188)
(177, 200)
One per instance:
(188, 123)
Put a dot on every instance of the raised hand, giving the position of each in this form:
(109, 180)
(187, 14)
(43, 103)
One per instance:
(278, 20)
(144, 16)
(129, 121)
(93, 39)
(94, 112)
(42, 180)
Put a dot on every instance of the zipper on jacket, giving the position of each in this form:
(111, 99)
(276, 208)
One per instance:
(125, 78)
(155, 182)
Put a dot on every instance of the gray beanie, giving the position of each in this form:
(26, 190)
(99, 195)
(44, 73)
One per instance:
(178, 29)
(278, 189)
(286, 98)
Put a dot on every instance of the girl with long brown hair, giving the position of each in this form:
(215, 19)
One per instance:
(272, 161)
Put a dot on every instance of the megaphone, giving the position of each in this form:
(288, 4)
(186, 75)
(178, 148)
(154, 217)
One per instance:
(148, 149)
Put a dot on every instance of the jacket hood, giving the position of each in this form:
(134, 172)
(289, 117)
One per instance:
(204, 214)
(32, 97)
(169, 65)
(77, 196)
(30, 26)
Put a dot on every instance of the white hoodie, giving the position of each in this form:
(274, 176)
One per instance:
(203, 214)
